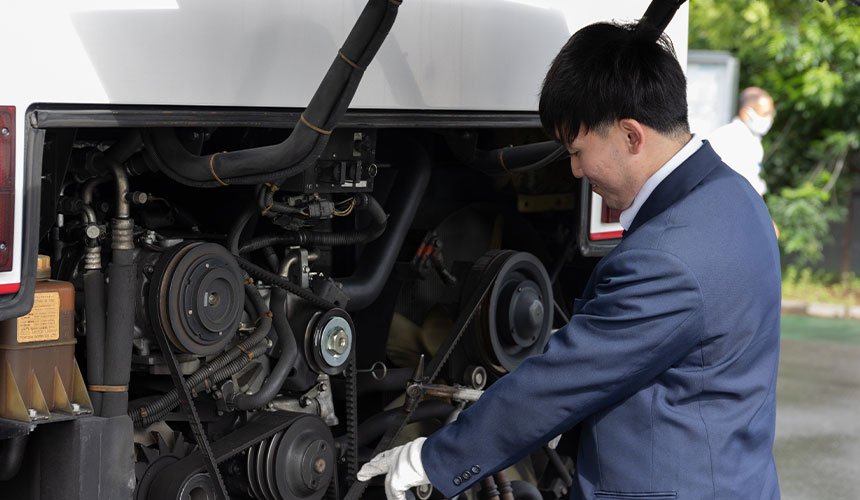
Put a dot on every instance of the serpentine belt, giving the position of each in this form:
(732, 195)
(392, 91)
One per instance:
(187, 402)
(413, 390)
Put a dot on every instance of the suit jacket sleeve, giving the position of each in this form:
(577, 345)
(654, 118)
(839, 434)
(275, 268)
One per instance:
(643, 315)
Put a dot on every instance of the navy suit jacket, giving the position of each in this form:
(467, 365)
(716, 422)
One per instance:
(669, 360)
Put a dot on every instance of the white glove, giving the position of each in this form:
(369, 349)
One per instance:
(403, 466)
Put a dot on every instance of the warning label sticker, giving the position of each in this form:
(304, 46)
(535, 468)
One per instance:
(43, 321)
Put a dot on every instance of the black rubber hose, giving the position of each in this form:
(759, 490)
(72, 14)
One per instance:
(305, 143)
(374, 427)
(395, 380)
(94, 300)
(281, 282)
(518, 159)
(11, 456)
(121, 150)
(120, 327)
(267, 202)
(524, 490)
(378, 258)
(287, 361)
(314, 238)
(260, 273)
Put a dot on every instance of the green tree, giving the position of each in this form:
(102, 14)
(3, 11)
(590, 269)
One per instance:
(807, 55)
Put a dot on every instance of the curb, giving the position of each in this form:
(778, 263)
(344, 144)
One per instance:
(820, 309)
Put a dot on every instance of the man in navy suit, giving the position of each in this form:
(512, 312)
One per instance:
(670, 359)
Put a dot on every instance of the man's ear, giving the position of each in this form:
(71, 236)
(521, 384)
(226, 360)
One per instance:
(634, 134)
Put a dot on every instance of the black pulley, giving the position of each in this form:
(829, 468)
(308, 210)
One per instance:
(329, 341)
(196, 297)
(294, 464)
(515, 319)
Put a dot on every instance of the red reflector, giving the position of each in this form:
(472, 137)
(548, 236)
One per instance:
(7, 185)
(609, 235)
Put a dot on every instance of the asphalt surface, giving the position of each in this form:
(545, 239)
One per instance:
(817, 446)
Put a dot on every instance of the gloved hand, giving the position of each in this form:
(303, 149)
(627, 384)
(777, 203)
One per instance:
(403, 466)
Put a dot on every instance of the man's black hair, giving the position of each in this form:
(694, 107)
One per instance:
(607, 72)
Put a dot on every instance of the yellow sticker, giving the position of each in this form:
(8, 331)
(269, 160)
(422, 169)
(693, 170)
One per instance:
(43, 321)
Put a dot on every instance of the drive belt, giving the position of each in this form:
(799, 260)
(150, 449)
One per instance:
(187, 402)
(413, 389)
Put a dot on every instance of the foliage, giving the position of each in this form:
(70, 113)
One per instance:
(803, 283)
(807, 55)
(804, 216)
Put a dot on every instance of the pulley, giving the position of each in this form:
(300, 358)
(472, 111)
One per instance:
(515, 318)
(294, 464)
(329, 340)
(196, 297)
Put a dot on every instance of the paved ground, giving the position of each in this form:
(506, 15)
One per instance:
(817, 444)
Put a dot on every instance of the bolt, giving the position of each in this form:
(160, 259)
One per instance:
(4, 131)
(270, 405)
(206, 265)
(190, 311)
(337, 342)
(31, 413)
(218, 394)
(2, 247)
(93, 231)
(304, 401)
(319, 465)
(323, 387)
(76, 407)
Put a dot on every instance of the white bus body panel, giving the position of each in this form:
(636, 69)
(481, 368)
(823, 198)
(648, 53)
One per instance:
(454, 55)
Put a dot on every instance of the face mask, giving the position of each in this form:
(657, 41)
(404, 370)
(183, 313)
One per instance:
(758, 125)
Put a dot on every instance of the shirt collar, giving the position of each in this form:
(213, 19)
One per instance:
(627, 216)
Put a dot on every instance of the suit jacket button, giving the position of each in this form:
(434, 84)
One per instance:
(466, 475)
(476, 469)
(458, 481)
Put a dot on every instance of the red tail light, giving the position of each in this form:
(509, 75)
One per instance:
(609, 214)
(7, 185)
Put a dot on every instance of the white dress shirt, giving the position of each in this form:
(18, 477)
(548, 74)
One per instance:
(627, 216)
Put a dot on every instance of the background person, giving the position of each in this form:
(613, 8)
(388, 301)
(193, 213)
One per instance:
(739, 142)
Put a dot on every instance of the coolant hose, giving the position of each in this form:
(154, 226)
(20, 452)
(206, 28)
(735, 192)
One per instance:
(307, 140)
(375, 426)
(122, 292)
(94, 296)
(11, 456)
(518, 159)
(524, 490)
(378, 257)
(287, 361)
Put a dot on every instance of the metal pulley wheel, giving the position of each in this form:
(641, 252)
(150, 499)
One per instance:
(515, 318)
(196, 297)
(294, 464)
(329, 341)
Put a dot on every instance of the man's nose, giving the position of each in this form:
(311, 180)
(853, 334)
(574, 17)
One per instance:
(575, 168)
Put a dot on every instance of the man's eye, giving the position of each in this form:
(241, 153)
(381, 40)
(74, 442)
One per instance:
(575, 153)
